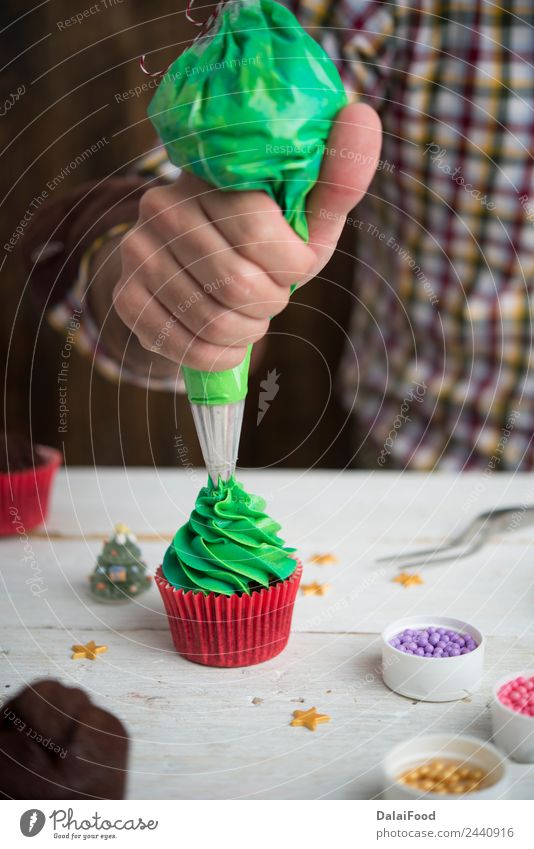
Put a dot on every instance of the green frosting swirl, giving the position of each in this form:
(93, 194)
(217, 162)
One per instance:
(229, 545)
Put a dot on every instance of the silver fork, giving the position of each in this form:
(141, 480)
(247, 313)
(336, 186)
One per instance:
(471, 539)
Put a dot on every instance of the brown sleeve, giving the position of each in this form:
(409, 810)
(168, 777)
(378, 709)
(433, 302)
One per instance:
(50, 252)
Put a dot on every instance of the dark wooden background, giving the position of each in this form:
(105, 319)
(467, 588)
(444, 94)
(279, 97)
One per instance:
(69, 75)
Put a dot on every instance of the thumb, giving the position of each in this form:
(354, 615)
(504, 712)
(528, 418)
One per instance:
(349, 163)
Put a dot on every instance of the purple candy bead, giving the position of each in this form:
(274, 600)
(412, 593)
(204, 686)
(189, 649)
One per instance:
(433, 642)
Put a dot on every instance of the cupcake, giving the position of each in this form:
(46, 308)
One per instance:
(227, 580)
(55, 742)
(26, 474)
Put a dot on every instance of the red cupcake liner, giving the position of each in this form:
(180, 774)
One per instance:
(24, 495)
(237, 630)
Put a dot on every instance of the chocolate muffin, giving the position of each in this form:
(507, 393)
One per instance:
(16, 453)
(26, 475)
(56, 744)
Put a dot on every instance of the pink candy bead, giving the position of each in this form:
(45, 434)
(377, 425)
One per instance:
(518, 695)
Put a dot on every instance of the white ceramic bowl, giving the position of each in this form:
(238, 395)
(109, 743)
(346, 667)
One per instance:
(432, 679)
(419, 750)
(513, 732)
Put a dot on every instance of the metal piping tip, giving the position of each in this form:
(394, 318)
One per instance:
(219, 430)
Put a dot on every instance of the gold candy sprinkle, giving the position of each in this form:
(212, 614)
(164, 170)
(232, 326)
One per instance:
(323, 559)
(408, 579)
(444, 777)
(315, 588)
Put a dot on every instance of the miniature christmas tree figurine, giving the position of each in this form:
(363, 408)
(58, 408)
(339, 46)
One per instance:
(119, 574)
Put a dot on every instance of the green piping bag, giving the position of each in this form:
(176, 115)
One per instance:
(248, 106)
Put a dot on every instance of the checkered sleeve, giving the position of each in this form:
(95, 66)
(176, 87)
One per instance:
(359, 36)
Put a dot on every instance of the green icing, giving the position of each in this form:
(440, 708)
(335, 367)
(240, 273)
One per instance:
(218, 387)
(229, 545)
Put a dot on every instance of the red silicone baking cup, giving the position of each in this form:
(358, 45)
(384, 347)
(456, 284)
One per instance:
(237, 630)
(24, 495)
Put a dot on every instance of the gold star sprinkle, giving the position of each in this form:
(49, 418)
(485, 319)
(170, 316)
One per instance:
(315, 588)
(407, 579)
(87, 652)
(309, 718)
(323, 559)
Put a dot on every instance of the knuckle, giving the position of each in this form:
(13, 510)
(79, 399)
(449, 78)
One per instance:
(299, 262)
(239, 288)
(249, 230)
(306, 261)
(259, 331)
(153, 202)
(194, 312)
(195, 356)
(219, 329)
(120, 300)
(269, 228)
(205, 356)
(144, 341)
(128, 302)
(134, 250)
(278, 304)
(217, 326)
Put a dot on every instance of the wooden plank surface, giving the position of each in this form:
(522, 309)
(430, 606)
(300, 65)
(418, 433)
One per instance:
(196, 732)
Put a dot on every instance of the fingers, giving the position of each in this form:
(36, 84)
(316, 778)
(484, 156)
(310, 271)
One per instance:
(161, 331)
(149, 269)
(200, 313)
(200, 249)
(255, 226)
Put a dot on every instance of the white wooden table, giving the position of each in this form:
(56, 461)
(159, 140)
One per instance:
(214, 733)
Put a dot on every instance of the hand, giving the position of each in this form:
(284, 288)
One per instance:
(203, 270)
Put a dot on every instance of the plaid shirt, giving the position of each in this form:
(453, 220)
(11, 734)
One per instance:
(438, 369)
(438, 372)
